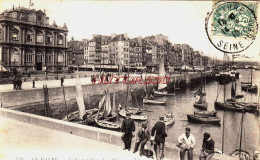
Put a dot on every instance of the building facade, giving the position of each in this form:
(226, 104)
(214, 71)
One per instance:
(29, 43)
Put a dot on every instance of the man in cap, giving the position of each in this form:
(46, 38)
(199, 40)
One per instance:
(159, 132)
(186, 143)
(128, 126)
(207, 147)
(143, 135)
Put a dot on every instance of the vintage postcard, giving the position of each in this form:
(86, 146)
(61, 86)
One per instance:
(129, 80)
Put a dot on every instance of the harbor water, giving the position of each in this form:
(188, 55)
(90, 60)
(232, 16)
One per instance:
(182, 104)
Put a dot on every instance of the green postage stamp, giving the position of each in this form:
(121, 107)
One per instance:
(232, 26)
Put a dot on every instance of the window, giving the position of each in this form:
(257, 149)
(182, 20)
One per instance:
(60, 39)
(39, 57)
(49, 57)
(14, 57)
(39, 38)
(60, 57)
(28, 57)
(49, 38)
(14, 36)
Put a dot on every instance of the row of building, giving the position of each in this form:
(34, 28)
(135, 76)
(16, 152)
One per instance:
(29, 43)
(120, 51)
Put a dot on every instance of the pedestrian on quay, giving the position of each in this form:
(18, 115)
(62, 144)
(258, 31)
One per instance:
(128, 126)
(186, 143)
(207, 147)
(143, 135)
(158, 135)
(61, 81)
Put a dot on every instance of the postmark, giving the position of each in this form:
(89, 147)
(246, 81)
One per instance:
(232, 26)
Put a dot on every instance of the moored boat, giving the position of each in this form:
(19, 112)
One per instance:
(149, 101)
(203, 105)
(206, 113)
(228, 106)
(168, 119)
(159, 93)
(107, 124)
(134, 115)
(203, 119)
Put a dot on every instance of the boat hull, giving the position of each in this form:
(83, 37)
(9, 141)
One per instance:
(227, 106)
(148, 101)
(107, 125)
(134, 116)
(202, 119)
(74, 116)
(249, 88)
(203, 106)
(206, 113)
(158, 93)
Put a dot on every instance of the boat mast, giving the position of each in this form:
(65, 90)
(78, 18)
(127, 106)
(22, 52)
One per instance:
(65, 103)
(223, 131)
(240, 145)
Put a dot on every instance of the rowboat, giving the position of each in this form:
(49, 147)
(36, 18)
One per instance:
(74, 116)
(134, 115)
(149, 101)
(107, 124)
(168, 119)
(203, 119)
(228, 106)
(203, 105)
(206, 113)
(158, 93)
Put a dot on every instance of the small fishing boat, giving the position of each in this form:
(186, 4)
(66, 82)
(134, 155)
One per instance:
(168, 119)
(201, 103)
(203, 119)
(161, 90)
(134, 115)
(248, 86)
(160, 93)
(149, 101)
(74, 116)
(107, 124)
(206, 113)
(228, 106)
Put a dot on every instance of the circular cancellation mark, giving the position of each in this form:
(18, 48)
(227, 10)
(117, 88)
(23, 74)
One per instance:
(231, 26)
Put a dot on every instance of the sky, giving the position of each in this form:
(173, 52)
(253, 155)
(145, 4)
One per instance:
(181, 21)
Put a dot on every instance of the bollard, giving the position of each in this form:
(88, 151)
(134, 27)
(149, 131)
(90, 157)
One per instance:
(33, 84)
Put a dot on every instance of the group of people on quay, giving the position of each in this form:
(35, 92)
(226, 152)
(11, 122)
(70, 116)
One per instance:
(157, 136)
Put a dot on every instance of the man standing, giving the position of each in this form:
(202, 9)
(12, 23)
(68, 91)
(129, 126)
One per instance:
(128, 126)
(61, 81)
(207, 147)
(143, 135)
(186, 143)
(158, 131)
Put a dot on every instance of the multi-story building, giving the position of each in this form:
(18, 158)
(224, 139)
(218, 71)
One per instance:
(29, 42)
(136, 52)
(105, 50)
(76, 52)
(119, 51)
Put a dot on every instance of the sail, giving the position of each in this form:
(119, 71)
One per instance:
(233, 92)
(108, 107)
(79, 97)
(101, 104)
(198, 92)
(162, 74)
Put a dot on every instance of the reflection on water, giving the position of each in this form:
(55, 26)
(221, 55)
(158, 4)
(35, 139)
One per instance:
(182, 104)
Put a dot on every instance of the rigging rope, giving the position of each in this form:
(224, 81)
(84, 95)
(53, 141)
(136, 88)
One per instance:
(218, 91)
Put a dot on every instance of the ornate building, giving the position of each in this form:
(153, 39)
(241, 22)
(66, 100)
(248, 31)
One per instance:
(28, 42)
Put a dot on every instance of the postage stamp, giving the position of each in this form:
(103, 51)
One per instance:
(232, 26)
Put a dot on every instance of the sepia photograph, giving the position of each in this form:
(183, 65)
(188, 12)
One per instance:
(129, 80)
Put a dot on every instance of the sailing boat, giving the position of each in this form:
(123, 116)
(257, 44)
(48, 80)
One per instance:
(146, 99)
(136, 113)
(82, 113)
(226, 105)
(201, 103)
(162, 86)
(248, 86)
(105, 113)
(239, 153)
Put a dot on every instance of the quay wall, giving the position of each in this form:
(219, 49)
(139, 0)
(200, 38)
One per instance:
(31, 97)
(98, 134)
